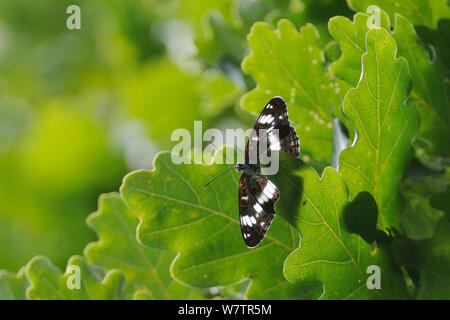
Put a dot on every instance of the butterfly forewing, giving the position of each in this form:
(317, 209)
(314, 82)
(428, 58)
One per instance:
(273, 116)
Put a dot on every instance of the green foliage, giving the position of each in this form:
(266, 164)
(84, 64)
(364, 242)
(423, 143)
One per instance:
(419, 12)
(351, 36)
(428, 260)
(200, 95)
(177, 214)
(224, 39)
(385, 126)
(331, 252)
(290, 64)
(437, 39)
(58, 183)
(12, 286)
(80, 108)
(425, 203)
(146, 269)
(47, 282)
(440, 201)
(430, 87)
(435, 264)
(419, 217)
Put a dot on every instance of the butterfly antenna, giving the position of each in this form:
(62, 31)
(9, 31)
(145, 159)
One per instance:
(222, 172)
(218, 176)
(228, 159)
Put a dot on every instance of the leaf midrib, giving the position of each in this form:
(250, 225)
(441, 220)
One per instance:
(327, 225)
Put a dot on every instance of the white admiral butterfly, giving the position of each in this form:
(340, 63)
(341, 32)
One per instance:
(257, 194)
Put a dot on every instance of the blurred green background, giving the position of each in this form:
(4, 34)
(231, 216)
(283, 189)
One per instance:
(81, 108)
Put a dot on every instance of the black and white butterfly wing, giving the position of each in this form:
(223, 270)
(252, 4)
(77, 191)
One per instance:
(257, 196)
(274, 116)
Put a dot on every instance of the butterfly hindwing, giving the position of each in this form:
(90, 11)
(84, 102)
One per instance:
(257, 196)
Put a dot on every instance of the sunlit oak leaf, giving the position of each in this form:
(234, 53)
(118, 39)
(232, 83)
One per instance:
(386, 126)
(146, 269)
(338, 244)
(419, 12)
(291, 64)
(351, 37)
(47, 282)
(13, 286)
(429, 95)
(430, 86)
(202, 225)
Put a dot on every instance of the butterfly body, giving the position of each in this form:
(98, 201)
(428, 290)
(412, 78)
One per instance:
(248, 169)
(257, 194)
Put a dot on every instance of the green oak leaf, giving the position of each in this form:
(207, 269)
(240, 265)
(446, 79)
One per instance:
(435, 270)
(430, 86)
(430, 93)
(428, 261)
(420, 214)
(332, 249)
(202, 225)
(438, 39)
(419, 218)
(351, 36)
(385, 126)
(142, 294)
(47, 282)
(290, 64)
(146, 269)
(235, 291)
(419, 12)
(13, 286)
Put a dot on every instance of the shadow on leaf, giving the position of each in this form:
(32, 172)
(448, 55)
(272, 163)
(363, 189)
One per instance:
(360, 216)
(290, 185)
